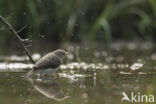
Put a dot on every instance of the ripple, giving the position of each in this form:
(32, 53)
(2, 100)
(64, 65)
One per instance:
(136, 66)
(35, 57)
(14, 67)
(84, 66)
(72, 77)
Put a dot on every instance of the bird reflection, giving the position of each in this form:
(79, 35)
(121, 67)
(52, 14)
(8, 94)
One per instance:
(49, 88)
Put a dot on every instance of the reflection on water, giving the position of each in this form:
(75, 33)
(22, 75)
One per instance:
(14, 67)
(49, 88)
(35, 56)
(102, 88)
(101, 78)
(19, 67)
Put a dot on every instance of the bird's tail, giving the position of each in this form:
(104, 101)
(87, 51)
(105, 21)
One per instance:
(28, 74)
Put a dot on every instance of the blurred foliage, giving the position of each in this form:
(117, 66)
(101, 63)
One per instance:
(59, 21)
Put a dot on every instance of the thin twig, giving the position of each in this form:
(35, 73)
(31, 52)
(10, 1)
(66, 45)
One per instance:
(19, 38)
(25, 100)
(21, 29)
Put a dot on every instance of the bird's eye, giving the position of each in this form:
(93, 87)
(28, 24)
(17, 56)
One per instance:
(63, 54)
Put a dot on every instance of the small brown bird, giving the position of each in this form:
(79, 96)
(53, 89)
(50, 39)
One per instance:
(48, 63)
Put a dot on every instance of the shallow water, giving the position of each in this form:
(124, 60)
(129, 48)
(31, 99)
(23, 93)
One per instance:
(101, 78)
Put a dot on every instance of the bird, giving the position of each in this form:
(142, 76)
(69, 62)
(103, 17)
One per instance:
(48, 63)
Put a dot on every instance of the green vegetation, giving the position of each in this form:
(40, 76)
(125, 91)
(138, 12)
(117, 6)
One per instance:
(79, 21)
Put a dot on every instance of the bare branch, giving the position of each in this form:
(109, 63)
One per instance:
(25, 100)
(21, 29)
(19, 38)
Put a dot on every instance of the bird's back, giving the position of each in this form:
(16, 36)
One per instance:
(48, 61)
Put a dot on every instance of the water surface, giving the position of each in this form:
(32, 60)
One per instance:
(101, 77)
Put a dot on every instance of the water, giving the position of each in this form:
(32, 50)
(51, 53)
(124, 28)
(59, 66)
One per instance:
(101, 77)
(102, 88)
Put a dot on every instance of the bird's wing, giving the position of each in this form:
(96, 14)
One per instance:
(48, 61)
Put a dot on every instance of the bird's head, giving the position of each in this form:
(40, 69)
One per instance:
(60, 53)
